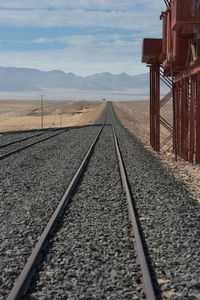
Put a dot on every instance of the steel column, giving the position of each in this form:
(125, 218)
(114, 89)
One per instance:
(179, 117)
(191, 119)
(186, 103)
(176, 96)
(182, 117)
(151, 106)
(155, 106)
(197, 152)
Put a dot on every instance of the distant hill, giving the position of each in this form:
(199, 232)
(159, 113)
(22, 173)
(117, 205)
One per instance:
(24, 79)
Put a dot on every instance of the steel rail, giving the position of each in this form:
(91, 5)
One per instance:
(44, 131)
(147, 282)
(49, 129)
(30, 145)
(24, 278)
(57, 133)
(24, 139)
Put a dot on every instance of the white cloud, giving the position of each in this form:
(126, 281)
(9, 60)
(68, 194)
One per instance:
(128, 20)
(73, 40)
(138, 17)
(83, 4)
(102, 45)
(87, 53)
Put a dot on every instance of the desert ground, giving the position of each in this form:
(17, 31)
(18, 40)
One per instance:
(21, 115)
(135, 116)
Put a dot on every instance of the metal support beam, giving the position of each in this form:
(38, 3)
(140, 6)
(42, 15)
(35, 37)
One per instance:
(191, 119)
(197, 152)
(184, 118)
(155, 106)
(186, 133)
(187, 118)
(177, 95)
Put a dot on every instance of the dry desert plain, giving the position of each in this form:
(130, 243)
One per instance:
(21, 115)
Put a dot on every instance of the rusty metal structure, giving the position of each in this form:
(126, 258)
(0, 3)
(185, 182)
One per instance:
(175, 59)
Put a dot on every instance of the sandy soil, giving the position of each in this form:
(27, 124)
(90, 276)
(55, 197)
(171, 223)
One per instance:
(21, 115)
(135, 116)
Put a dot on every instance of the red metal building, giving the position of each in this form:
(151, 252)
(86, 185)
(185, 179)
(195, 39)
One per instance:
(175, 59)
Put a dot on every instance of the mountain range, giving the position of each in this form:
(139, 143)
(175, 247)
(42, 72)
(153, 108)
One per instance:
(24, 79)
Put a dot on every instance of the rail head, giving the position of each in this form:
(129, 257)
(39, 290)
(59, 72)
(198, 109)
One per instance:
(147, 282)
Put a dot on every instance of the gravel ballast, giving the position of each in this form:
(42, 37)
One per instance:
(169, 218)
(32, 183)
(33, 139)
(8, 137)
(91, 256)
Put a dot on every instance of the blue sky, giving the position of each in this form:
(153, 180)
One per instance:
(79, 36)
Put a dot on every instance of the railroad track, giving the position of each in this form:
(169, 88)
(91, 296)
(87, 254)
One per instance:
(23, 139)
(7, 149)
(94, 229)
(98, 257)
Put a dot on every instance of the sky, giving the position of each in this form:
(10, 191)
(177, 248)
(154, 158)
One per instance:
(79, 36)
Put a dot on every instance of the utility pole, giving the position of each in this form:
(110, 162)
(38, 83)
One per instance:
(42, 110)
(61, 118)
